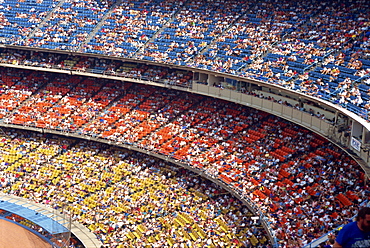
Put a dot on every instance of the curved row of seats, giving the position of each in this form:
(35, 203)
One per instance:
(285, 43)
(126, 199)
(282, 168)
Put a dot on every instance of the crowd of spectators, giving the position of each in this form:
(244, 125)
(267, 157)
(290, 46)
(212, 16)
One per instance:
(328, 89)
(320, 48)
(66, 62)
(320, 51)
(254, 34)
(68, 25)
(284, 170)
(191, 30)
(297, 61)
(130, 26)
(125, 198)
(18, 19)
